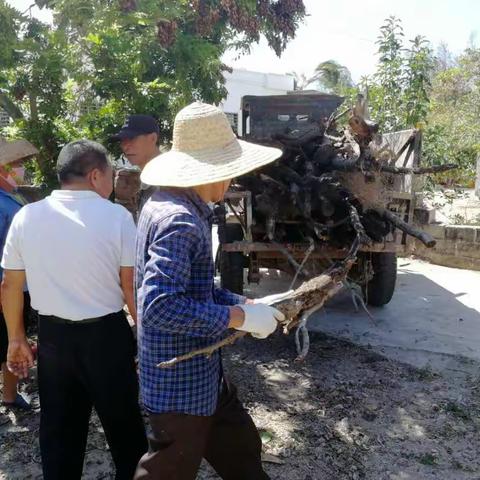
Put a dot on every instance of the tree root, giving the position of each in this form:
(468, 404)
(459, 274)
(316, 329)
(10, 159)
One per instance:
(297, 307)
(424, 237)
(207, 351)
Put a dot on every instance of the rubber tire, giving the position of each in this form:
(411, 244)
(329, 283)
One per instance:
(379, 290)
(232, 263)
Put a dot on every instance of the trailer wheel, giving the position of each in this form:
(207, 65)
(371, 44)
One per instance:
(379, 290)
(232, 263)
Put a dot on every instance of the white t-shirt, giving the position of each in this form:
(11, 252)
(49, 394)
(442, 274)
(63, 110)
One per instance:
(71, 246)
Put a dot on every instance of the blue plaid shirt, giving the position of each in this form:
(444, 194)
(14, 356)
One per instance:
(179, 308)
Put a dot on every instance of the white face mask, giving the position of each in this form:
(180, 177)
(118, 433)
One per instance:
(18, 174)
(14, 176)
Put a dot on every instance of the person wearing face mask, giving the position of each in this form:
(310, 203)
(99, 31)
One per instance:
(10, 204)
(76, 250)
(139, 140)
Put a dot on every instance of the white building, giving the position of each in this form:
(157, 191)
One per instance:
(243, 82)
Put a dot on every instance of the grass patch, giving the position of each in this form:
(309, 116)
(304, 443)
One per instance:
(425, 374)
(428, 459)
(457, 410)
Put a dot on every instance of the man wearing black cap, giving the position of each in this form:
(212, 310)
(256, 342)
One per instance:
(139, 138)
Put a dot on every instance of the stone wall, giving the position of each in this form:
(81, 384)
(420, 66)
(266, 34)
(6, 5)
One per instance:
(4, 118)
(457, 246)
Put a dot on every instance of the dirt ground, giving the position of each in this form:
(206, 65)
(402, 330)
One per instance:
(345, 413)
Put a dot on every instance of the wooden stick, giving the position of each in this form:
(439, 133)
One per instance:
(419, 170)
(405, 146)
(424, 237)
(341, 164)
(203, 351)
(357, 225)
(334, 117)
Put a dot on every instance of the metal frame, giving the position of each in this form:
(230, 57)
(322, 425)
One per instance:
(299, 249)
(400, 243)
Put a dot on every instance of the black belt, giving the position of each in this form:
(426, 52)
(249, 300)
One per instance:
(85, 321)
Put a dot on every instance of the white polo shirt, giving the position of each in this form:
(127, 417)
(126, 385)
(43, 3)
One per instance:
(71, 246)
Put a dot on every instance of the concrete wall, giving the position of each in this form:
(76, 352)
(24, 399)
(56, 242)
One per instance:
(4, 118)
(457, 246)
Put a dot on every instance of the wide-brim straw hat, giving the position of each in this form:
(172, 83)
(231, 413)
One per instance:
(205, 150)
(16, 150)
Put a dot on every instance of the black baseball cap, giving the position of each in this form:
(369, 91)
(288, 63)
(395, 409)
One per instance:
(136, 125)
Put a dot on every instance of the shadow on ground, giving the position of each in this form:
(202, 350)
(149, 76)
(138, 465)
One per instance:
(349, 413)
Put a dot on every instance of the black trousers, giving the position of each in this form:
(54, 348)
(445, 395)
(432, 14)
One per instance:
(81, 366)
(228, 440)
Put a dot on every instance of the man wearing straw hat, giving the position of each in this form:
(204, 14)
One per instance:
(193, 409)
(12, 156)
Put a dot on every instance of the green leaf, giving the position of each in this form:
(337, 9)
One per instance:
(266, 436)
(94, 38)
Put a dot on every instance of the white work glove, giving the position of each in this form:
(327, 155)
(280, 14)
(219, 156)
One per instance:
(273, 299)
(260, 320)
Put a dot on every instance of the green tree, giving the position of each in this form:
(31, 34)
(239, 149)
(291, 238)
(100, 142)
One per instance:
(453, 132)
(101, 60)
(399, 90)
(329, 76)
(333, 77)
(441, 95)
(388, 85)
(9, 21)
(444, 58)
(419, 65)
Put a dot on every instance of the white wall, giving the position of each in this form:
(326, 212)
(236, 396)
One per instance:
(244, 82)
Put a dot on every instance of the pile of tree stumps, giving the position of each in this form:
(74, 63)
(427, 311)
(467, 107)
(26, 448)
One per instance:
(326, 177)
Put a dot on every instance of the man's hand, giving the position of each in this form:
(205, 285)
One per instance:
(260, 320)
(272, 299)
(19, 357)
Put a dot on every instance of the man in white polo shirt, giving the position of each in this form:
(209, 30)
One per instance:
(76, 251)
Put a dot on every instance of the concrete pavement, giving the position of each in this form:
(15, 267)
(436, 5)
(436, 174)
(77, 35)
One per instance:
(433, 319)
(433, 316)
